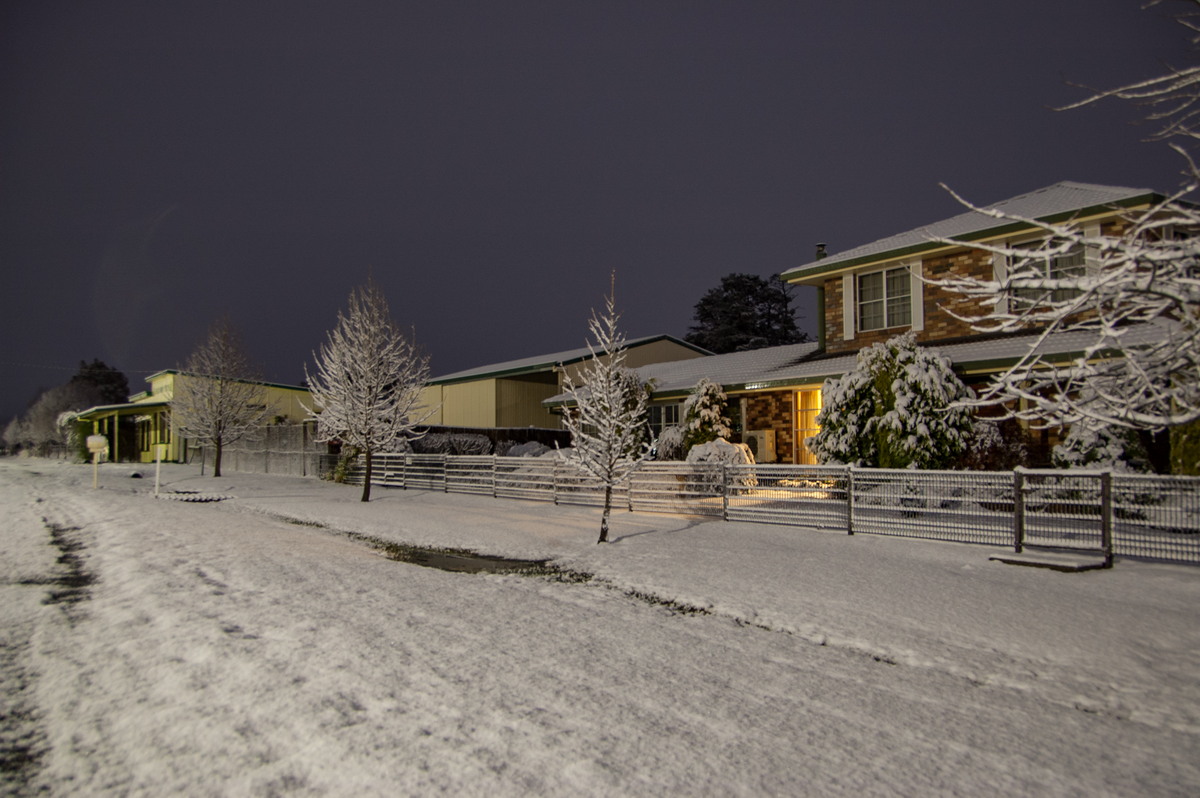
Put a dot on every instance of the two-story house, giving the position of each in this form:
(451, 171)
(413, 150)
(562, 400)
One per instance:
(875, 291)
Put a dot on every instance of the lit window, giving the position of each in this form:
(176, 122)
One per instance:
(884, 299)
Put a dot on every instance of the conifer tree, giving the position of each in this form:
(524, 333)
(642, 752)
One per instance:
(896, 409)
(704, 414)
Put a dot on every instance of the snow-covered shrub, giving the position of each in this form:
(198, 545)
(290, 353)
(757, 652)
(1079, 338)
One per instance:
(996, 445)
(704, 414)
(894, 410)
(527, 449)
(432, 443)
(669, 445)
(466, 444)
(722, 452)
(1115, 448)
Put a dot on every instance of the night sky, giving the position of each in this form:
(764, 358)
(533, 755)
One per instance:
(491, 162)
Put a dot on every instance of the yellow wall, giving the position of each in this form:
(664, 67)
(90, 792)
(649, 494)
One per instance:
(284, 402)
(469, 404)
(519, 402)
(431, 402)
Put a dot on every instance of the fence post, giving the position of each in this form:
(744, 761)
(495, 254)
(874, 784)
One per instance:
(1106, 518)
(554, 481)
(849, 500)
(724, 491)
(1018, 509)
(494, 464)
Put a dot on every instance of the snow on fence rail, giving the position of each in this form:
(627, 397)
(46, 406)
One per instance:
(1132, 515)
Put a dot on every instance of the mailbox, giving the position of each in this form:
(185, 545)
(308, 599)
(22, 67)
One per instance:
(97, 443)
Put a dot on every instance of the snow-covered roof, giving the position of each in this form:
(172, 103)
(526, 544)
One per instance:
(548, 362)
(99, 409)
(1052, 203)
(802, 364)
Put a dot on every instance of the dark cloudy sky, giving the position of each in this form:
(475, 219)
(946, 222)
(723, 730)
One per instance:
(490, 162)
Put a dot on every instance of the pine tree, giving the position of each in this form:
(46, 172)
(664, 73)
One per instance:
(704, 414)
(745, 312)
(608, 421)
(367, 389)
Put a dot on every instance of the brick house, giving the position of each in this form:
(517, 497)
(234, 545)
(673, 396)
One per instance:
(873, 292)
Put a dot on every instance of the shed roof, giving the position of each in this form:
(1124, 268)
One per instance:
(1058, 202)
(548, 362)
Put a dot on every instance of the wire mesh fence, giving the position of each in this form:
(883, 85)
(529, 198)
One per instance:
(1131, 515)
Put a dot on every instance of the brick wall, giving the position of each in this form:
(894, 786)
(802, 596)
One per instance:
(939, 324)
(773, 410)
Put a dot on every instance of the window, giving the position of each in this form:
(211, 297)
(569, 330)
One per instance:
(808, 405)
(884, 299)
(1053, 267)
(661, 417)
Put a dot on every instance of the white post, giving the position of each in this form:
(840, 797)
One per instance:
(96, 444)
(158, 450)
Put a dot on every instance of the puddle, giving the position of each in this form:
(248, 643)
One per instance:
(456, 560)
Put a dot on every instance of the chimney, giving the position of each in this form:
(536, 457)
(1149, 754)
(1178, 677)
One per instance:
(821, 251)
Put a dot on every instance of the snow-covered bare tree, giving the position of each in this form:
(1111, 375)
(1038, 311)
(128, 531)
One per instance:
(1131, 293)
(219, 397)
(896, 409)
(608, 420)
(367, 388)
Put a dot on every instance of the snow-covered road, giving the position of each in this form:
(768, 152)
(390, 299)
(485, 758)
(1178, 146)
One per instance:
(225, 651)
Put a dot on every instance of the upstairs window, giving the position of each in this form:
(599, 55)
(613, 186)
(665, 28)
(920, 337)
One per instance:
(1052, 267)
(884, 299)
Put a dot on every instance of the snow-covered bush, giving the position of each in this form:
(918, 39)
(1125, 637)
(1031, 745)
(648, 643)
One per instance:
(669, 445)
(527, 449)
(1115, 448)
(721, 452)
(996, 445)
(896, 409)
(704, 414)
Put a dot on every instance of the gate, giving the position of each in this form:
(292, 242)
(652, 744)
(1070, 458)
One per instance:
(1064, 510)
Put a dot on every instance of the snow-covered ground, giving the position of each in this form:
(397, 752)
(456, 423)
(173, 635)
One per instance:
(225, 650)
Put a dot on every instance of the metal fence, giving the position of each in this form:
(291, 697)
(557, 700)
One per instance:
(1114, 514)
(286, 449)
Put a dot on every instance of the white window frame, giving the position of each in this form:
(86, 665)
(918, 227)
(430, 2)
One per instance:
(1016, 299)
(886, 300)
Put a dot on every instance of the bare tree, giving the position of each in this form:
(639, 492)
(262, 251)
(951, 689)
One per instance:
(367, 389)
(1133, 296)
(219, 397)
(608, 421)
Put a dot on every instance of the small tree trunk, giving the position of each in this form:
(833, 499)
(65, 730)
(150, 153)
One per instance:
(366, 496)
(604, 518)
(217, 458)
